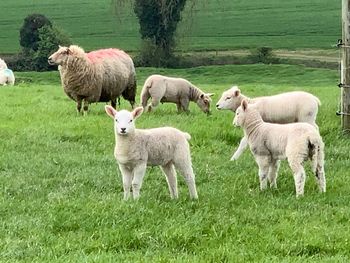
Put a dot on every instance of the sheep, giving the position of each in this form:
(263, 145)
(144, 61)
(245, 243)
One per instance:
(271, 142)
(297, 106)
(166, 147)
(7, 77)
(176, 90)
(3, 64)
(99, 76)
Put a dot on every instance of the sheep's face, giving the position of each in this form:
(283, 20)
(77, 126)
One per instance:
(230, 100)
(203, 102)
(60, 56)
(124, 121)
(241, 114)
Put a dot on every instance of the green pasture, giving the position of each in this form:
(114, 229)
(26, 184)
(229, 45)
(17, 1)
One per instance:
(61, 191)
(210, 25)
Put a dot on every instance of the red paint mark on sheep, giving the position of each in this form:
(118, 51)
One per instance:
(98, 55)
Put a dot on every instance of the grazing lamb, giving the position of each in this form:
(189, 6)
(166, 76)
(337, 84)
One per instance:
(99, 76)
(295, 106)
(7, 77)
(135, 149)
(176, 90)
(271, 142)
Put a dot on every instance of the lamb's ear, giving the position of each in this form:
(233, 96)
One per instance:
(69, 51)
(110, 111)
(210, 94)
(244, 105)
(137, 112)
(236, 93)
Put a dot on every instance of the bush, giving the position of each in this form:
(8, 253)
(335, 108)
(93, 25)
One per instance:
(263, 55)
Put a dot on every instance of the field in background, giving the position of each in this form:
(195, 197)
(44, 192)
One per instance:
(213, 25)
(61, 192)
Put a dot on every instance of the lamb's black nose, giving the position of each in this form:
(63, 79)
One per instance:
(123, 130)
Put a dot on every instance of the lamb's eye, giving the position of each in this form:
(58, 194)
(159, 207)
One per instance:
(228, 98)
(130, 121)
(116, 120)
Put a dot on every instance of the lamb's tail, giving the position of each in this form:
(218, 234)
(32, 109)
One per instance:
(187, 136)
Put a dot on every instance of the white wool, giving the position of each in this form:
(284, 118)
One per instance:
(135, 149)
(3, 64)
(175, 90)
(270, 142)
(7, 77)
(288, 107)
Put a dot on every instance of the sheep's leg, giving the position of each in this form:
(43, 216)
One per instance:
(187, 172)
(170, 174)
(321, 179)
(299, 176)
(185, 103)
(139, 173)
(263, 163)
(273, 170)
(113, 103)
(153, 104)
(242, 146)
(144, 98)
(127, 179)
(179, 108)
(85, 107)
(79, 100)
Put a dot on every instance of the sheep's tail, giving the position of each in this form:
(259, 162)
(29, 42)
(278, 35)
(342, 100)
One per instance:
(145, 92)
(316, 153)
(187, 136)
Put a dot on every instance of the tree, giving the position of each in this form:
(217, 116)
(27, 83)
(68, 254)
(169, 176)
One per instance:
(29, 32)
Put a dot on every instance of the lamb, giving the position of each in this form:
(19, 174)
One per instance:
(136, 148)
(298, 106)
(3, 64)
(271, 142)
(7, 77)
(99, 76)
(176, 90)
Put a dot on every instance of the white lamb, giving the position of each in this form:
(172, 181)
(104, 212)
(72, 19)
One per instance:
(136, 148)
(270, 142)
(3, 64)
(289, 107)
(7, 77)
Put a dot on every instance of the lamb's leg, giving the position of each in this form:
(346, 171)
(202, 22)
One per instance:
(273, 170)
(170, 174)
(127, 179)
(299, 175)
(85, 107)
(242, 146)
(139, 173)
(186, 170)
(263, 163)
(144, 98)
(321, 179)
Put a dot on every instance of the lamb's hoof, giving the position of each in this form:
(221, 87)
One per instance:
(233, 158)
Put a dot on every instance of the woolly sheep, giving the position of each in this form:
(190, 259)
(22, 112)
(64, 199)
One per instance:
(99, 76)
(7, 77)
(176, 90)
(295, 106)
(136, 148)
(3, 64)
(271, 142)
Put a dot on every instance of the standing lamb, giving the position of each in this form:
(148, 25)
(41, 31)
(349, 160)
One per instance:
(99, 76)
(295, 106)
(3, 64)
(7, 77)
(135, 149)
(176, 90)
(270, 142)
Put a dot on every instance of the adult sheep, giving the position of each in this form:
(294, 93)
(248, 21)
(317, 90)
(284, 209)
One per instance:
(99, 76)
(288, 107)
(176, 90)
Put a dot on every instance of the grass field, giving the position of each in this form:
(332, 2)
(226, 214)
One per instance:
(213, 25)
(61, 192)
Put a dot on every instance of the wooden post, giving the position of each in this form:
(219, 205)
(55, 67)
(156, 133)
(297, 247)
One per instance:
(345, 67)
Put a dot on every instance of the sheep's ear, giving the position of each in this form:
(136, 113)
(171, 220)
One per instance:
(137, 112)
(210, 94)
(69, 52)
(244, 105)
(236, 93)
(110, 111)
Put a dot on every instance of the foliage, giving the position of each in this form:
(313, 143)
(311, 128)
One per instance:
(61, 192)
(29, 32)
(263, 55)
